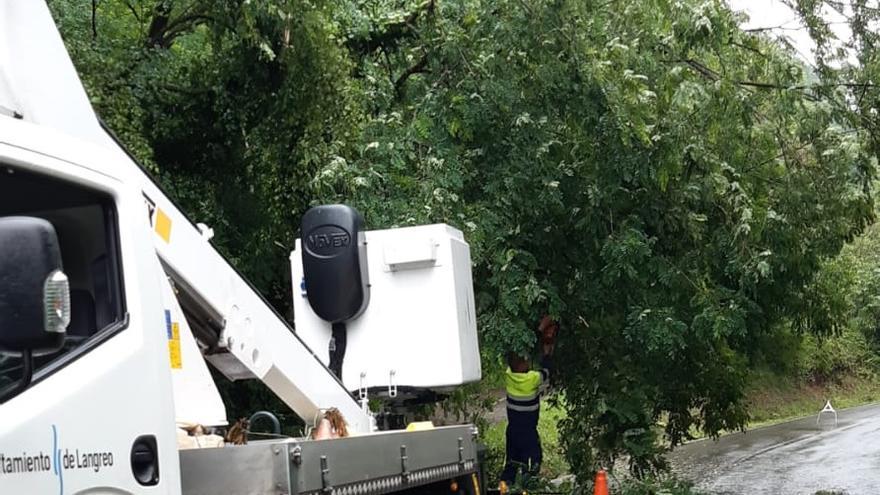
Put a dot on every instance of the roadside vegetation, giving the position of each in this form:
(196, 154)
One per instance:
(842, 364)
(774, 397)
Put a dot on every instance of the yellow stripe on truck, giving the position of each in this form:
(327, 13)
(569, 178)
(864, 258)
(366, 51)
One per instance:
(163, 225)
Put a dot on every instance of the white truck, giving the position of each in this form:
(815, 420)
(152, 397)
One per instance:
(112, 305)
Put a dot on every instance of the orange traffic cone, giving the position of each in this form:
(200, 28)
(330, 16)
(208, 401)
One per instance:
(600, 487)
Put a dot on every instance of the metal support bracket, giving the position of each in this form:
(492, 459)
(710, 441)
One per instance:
(404, 471)
(392, 387)
(363, 394)
(460, 453)
(326, 487)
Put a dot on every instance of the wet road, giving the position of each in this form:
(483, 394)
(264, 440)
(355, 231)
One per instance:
(799, 457)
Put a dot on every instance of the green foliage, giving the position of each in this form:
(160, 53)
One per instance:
(824, 360)
(863, 260)
(238, 103)
(847, 289)
(646, 172)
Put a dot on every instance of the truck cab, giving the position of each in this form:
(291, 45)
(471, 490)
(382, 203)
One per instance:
(100, 401)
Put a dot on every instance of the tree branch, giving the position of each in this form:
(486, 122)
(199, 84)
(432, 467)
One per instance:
(186, 91)
(780, 27)
(749, 48)
(714, 76)
(164, 30)
(388, 65)
(94, 20)
(181, 27)
(133, 11)
(420, 67)
(158, 24)
(764, 85)
(698, 67)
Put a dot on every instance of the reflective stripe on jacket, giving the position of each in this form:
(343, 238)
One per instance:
(524, 389)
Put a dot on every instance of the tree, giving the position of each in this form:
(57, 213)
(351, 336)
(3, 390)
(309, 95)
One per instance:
(662, 182)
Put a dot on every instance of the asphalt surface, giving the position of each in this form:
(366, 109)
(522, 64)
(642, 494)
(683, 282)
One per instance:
(799, 457)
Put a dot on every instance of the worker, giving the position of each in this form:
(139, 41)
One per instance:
(524, 388)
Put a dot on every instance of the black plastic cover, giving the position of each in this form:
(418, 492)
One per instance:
(334, 258)
(29, 252)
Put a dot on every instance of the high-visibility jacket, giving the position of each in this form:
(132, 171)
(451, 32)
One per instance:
(524, 389)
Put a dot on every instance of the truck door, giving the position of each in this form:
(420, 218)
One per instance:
(98, 415)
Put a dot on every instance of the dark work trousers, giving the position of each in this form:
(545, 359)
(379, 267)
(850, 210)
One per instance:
(523, 445)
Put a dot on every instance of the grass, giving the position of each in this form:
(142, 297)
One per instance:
(774, 399)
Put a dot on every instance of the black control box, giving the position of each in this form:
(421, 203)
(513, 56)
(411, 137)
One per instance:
(334, 258)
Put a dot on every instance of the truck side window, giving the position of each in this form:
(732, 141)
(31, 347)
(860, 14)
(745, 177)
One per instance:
(86, 224)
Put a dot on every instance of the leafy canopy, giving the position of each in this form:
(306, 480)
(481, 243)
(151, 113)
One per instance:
(663, 183)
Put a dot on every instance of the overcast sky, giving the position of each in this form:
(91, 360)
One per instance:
(773, 13)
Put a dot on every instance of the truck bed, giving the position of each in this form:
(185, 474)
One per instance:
(376, 463)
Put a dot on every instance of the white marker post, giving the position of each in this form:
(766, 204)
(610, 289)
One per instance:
(827, 409)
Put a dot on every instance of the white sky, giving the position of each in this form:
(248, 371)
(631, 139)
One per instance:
(775, 14)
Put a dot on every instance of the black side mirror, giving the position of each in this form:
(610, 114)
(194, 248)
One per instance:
(34, 292)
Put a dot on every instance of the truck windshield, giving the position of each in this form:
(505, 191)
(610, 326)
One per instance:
(85, 222)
